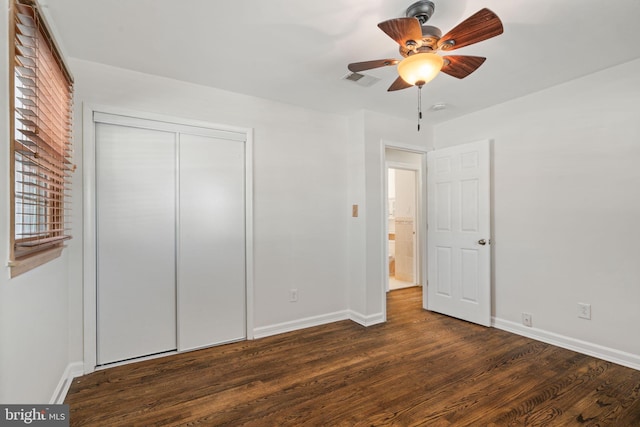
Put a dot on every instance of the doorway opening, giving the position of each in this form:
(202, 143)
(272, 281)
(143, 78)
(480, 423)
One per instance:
(405, 224)
(401, 243)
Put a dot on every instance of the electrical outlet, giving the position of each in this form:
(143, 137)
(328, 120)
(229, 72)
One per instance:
(527, 319)
(293, 295)
(584, 311)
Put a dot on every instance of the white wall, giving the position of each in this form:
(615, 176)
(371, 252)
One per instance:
(566, 208)
(357, 243)
(405, 182)
(33, 306)
(406, 157)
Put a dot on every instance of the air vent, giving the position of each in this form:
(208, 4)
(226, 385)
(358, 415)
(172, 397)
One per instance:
(361, 79)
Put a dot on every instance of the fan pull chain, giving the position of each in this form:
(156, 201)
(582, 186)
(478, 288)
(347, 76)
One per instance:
(419, 106)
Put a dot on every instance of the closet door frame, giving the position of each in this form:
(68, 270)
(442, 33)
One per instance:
(89, 217)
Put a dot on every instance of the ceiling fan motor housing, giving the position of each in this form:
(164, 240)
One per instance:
(422, 11)
(429, 42)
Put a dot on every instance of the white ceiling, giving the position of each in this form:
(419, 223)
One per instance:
(297, 51)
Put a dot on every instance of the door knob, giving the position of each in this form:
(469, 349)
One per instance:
(482, 242)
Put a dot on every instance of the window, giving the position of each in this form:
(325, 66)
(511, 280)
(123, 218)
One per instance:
(40, 140)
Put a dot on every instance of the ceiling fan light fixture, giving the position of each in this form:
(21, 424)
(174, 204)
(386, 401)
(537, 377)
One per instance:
(420, 68)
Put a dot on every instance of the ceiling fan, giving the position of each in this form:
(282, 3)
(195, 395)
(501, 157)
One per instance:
(419, 44)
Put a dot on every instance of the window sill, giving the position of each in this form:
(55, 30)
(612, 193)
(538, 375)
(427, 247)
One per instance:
(22, 265)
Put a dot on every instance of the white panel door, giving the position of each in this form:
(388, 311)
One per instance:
(136, 221)
(458, 194)
(211, 266)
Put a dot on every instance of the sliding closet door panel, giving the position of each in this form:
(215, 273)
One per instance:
(211, 276)
(136, 239)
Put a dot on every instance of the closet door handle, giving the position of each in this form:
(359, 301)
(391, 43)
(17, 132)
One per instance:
(482, 242)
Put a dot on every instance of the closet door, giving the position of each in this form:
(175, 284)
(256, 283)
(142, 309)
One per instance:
(211, 276)
(136, 241)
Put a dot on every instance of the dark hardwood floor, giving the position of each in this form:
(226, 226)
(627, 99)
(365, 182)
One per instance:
(419, 368)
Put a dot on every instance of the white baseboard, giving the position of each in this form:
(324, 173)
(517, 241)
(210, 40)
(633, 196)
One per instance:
(370, 320)
(605, 353)
(294, 325)
(72, 371)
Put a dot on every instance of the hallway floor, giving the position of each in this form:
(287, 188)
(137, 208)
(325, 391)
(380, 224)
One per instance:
(399, 284)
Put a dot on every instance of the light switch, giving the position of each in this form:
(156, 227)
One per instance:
(354, 211)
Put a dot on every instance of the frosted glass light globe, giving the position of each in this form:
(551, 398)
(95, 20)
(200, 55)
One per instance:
(420, 68)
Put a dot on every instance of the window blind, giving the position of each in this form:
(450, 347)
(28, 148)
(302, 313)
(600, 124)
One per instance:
(41, 135)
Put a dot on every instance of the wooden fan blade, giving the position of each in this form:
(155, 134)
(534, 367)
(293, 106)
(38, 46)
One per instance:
(368, 65)
(402, 30)
(483, 25)
(460, 66)
(398, 84)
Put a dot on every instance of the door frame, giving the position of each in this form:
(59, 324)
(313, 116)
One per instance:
(421, 217)
(89, 219)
